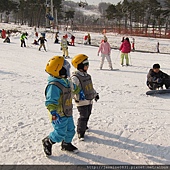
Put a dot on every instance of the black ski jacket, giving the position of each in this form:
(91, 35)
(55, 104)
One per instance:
(42, 40)
(152, 75)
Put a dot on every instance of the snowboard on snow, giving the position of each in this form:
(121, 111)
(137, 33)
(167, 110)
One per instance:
(152, 92)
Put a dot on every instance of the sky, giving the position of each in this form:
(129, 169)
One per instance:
(96, 2)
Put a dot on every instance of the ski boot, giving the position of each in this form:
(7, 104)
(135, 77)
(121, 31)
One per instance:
(47, 144)
(111, 68)
(81, 137)
(68, 147)
(87, 129)
(155, 86)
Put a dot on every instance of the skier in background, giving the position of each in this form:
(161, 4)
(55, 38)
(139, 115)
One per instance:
(133, 44)
(87, 93)
(157, 78)
(35, 42)
(157, 47)
(56, 38)
(7, 40)
(3, 34)
(64, 47)
(125, 48)
(105, 50)
(72, 40)
(22, 38)
(42, 42)
(88, 39)
(36, 34)
(85, 39)
(123, 38)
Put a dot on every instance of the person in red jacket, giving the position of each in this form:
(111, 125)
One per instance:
(3, 34)
(85, 39)
(125, 49)
(72, 39)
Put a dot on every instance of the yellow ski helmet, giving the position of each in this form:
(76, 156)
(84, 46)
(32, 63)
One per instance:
(78, 59)
(54, 65)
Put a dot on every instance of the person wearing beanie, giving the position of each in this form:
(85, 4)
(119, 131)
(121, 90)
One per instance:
(157, 78)
(86, 95)
(105, 51)
(58, 95)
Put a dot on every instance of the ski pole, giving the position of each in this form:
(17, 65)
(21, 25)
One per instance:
(130, 59)
(47, 45)
(117, 57)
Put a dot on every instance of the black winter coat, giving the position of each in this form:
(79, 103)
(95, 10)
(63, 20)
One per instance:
(152, 75)
(42, 40)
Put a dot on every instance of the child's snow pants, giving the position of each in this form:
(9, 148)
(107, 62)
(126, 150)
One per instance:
(65, 52)
(103, 56)
(64, 131)
(84, 112)
(126, 57)
(42, 45)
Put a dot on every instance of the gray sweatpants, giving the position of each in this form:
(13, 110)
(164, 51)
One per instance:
(103, 56)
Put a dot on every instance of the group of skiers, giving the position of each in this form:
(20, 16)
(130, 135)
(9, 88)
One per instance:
(60, 91)
(87, 39)
(64, 42)
(155, 78)
(5, 35)
(36, 42)
(105, 51)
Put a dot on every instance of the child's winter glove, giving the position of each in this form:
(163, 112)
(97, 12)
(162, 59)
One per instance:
(159, 80)
(56, 119)
(82, 96)
(97, 97)
(154, 79)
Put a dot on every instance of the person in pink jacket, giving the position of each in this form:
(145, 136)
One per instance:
(125, 48)
(105, 51)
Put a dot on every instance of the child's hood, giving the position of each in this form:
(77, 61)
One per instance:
(63, 81)
(80, 73)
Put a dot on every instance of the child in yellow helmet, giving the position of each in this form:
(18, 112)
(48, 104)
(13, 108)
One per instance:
(59, 104)
(87, 93)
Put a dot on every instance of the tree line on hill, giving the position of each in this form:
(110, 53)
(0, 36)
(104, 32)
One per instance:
(127, 14)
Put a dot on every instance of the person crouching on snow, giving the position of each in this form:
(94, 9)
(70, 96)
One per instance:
(59, 104)
(156, 78)
(105, 50)
(87, 93)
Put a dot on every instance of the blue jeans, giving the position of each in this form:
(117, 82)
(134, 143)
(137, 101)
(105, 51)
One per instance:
(64, 131)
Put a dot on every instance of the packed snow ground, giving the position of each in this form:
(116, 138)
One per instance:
(126, 126)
